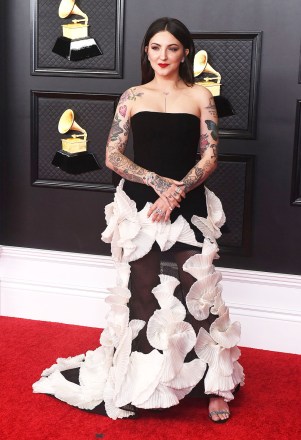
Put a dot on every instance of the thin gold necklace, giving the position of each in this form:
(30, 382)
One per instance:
(165, 99)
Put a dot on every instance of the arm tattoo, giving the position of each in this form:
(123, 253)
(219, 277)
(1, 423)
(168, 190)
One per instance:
(194, 176)
(118, 141)
(122, 110)
(115, 148)
(116, 130)
(129, 95)
(127, 127)
(204, 144)
(214, 153)
(211, 125)
(126, 168)
(201, 170)
(208, 151)
(211, 107)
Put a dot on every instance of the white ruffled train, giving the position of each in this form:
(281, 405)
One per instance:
(118, 376)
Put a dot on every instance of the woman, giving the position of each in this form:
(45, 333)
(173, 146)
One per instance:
(155, 348)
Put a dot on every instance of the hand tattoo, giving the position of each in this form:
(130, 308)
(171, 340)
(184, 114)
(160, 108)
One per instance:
(159, 184)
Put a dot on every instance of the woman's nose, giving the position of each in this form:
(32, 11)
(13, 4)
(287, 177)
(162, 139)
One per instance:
(163, 54)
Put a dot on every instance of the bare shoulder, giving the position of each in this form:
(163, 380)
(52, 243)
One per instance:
(131, 94)
(201, 93)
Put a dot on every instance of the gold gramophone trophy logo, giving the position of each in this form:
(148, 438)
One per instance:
(205, 74)
(77, 142)
(75, 43)
(73, 158)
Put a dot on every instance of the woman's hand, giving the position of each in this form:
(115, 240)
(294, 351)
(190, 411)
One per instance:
(170, 190)
(160, 210)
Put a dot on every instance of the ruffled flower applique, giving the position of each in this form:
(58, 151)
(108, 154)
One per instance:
(132, 234)
(210, 227)
(219, 350)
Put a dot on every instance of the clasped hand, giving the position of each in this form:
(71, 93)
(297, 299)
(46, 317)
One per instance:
(171, 192)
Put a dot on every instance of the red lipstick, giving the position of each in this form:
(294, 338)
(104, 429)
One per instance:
(163, 65)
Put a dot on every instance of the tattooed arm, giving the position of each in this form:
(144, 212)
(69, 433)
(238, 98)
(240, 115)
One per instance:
(118, 138)
(117, 141)
(208, 144)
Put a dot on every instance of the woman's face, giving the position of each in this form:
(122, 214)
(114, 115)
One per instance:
(165, 53)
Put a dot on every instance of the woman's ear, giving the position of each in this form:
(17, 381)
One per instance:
(146, 51)
(186, 52)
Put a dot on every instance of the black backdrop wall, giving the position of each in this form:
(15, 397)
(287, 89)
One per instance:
(72, 220)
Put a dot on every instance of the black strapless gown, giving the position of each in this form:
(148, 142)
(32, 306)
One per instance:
(167, 144)
(193, 344)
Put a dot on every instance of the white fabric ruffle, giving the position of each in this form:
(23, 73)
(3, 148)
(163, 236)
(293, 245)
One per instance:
(115, 375)
(132, 233)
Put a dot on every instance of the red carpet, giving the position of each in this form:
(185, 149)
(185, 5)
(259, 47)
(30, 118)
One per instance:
(267, 407)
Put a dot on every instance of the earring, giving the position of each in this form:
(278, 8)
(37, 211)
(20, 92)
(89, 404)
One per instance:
(182, 60)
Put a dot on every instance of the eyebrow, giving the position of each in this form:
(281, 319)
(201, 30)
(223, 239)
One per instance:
(172, 44)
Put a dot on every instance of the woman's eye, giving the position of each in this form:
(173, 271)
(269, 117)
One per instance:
(155, 48)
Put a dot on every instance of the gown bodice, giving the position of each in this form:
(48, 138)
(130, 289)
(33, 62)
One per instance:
(167, 144)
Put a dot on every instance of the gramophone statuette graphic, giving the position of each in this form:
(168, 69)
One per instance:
(75, 44)
(208, 77)
(73, 158)
(201, 66)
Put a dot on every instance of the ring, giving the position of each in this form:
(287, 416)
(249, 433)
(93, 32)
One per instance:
(159, 211)
(178, 190)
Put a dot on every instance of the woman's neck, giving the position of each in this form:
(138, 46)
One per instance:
(167, 84)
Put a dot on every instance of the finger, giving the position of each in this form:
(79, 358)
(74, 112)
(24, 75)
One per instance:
(159, 218)
(167, 215)
(180, 191)
(151, 210)
(167, 200)
(159, 213)
(183, 193)
(176, 199)
(155, 217)
(171, 200)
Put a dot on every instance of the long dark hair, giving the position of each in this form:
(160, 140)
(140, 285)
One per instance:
(181, 33)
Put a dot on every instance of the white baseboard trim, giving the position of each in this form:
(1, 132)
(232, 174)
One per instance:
(71, 288)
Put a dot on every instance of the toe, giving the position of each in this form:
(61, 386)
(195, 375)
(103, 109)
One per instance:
(214, 417)
(224, 415)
